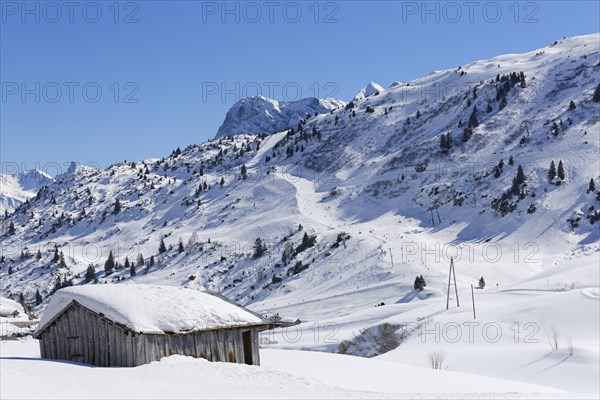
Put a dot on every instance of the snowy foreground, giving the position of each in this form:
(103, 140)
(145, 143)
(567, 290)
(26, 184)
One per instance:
(316, 375)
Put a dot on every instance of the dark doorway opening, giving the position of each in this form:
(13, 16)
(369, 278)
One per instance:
(247, 339)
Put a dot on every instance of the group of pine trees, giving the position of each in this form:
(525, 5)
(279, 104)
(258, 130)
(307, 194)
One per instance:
(554, 173)
(445, 142)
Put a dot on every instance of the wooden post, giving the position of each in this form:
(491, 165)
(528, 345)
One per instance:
(473, 298)
(448, 295)
(432, 220)
(451, 274)
(455, 287)
(438, 214)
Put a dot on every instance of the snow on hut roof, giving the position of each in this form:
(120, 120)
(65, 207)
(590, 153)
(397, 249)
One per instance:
(153, 308)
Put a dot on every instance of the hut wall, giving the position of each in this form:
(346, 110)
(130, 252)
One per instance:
(82, 336)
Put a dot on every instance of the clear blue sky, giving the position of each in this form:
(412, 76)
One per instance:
(175, 58)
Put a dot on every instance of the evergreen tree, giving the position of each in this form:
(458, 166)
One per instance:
(109, 265)
(162, 248)
(61, 261)
(11, 228)
(418, 114)
(10, 270)
(132, 271)
(244, 172)
(481, 283)
(180, 248)
(520, 175)
(117, 208)
(591, 186)
(560, 172)
(140, 260)
(151, 262)
(552, 171)
(473, 121)
(38, 297)
(90, 274)
(419, 284)
(22, 300)
(467, 133)
(489, 108)
(510, 160)
(572, 105)
(596, 97)
(38, 255)
(222, 182)
(518, 180)
(127, 264)
(258, 248)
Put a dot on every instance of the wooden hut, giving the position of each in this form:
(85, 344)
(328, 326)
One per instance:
(128, 325)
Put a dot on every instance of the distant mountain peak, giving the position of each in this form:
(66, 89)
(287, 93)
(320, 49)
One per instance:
(258, 114)
(369, 90)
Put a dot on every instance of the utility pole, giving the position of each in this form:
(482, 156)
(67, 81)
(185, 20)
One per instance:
(452, 274)
(473, 299)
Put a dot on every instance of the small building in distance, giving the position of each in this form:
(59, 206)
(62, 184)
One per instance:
(126, 325)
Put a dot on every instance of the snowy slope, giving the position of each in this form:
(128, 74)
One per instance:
(285, 375)
(260, 115)
(15, 189)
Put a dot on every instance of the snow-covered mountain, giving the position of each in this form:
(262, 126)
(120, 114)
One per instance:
(369, 90)
(15, 189)
(260, 115)
(428, 165)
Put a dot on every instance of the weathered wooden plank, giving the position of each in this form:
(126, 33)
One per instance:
(112, 346)
(51, 333)
(255, 350)
(221, 343)
(93, 345)
(104, 344)
(123, 347)
(158, 346)
(149, 349)
(61, 338)
(42, 348)
(200, 346)
(139, 357)
(229, 345)
(239, 346)
(129, 346)
(190, 345)
(214, 348)
(79, 331)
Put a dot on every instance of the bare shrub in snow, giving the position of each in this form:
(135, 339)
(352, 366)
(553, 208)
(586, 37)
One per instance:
(372, 341)
(554, 338)
(437, 359)
(264, 341)
(386, 338)
(570, 347)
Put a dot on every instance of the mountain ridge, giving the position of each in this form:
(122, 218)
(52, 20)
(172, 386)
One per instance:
(333, 198)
